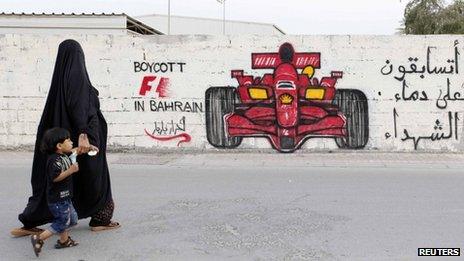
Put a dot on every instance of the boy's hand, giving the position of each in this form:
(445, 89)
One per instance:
(74, 168)
(76, 150)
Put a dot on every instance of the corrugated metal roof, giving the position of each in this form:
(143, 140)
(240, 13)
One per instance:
(65, 14)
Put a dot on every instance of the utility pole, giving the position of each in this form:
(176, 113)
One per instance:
(169, 17)
(223, 2)
(224, 17)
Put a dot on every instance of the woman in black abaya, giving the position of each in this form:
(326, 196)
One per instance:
(73, 104)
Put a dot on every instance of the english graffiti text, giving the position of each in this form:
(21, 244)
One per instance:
(168, 106)
(157, 67)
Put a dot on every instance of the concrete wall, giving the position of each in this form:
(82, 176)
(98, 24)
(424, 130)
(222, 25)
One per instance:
(413, 85)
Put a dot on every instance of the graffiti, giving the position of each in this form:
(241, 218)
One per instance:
(169, 130)
(162, 86)
(442, 101)
(411, 94)
(287, 106)
(155, 67)
(427, 68)
(169, 106)
(441, 97)
(437, 134)
(161, 89)
(184, 137)
(272, 60)
(408, 93)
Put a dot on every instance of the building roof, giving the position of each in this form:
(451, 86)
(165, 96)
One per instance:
(131, 24)
(200, 25)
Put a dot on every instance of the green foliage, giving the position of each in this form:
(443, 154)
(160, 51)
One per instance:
(433, 17)
(452, 19)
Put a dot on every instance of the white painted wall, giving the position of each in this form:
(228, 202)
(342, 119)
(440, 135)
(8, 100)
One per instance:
(26, 66)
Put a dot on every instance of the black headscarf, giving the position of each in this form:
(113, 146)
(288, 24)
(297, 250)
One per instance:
(72, 103)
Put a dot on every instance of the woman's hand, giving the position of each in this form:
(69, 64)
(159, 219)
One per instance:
(84, 145)
(93, 150)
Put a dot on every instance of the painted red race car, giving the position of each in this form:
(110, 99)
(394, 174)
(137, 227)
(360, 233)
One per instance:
(287, 106)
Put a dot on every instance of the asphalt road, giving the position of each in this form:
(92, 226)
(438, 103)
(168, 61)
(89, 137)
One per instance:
(249, 206)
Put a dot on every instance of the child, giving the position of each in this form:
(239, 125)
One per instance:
(57, 144)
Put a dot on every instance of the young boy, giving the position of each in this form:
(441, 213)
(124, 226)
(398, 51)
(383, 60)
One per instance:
(57, 144)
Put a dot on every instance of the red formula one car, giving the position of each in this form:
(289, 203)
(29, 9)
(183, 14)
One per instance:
(287, 106)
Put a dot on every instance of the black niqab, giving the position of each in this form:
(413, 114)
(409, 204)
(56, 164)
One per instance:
(73, 104)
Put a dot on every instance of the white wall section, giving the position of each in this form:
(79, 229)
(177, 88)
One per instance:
(152, 89)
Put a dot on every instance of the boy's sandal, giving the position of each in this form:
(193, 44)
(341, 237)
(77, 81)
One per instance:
(37, 244)
(67, 243)
(22, 231)
(111, 225)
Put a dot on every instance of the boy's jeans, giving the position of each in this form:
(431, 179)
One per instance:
(64, 216)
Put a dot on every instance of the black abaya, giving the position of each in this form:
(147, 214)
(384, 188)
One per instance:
(73, 104)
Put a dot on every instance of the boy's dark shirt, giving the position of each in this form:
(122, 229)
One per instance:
(61, 190)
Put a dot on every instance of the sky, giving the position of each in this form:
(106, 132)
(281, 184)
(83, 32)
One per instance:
(303, 17)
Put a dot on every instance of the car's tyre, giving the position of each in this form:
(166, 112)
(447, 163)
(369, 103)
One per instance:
(220, 101)
(353, 104)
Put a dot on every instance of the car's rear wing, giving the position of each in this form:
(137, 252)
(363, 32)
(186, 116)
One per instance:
(272, 60)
